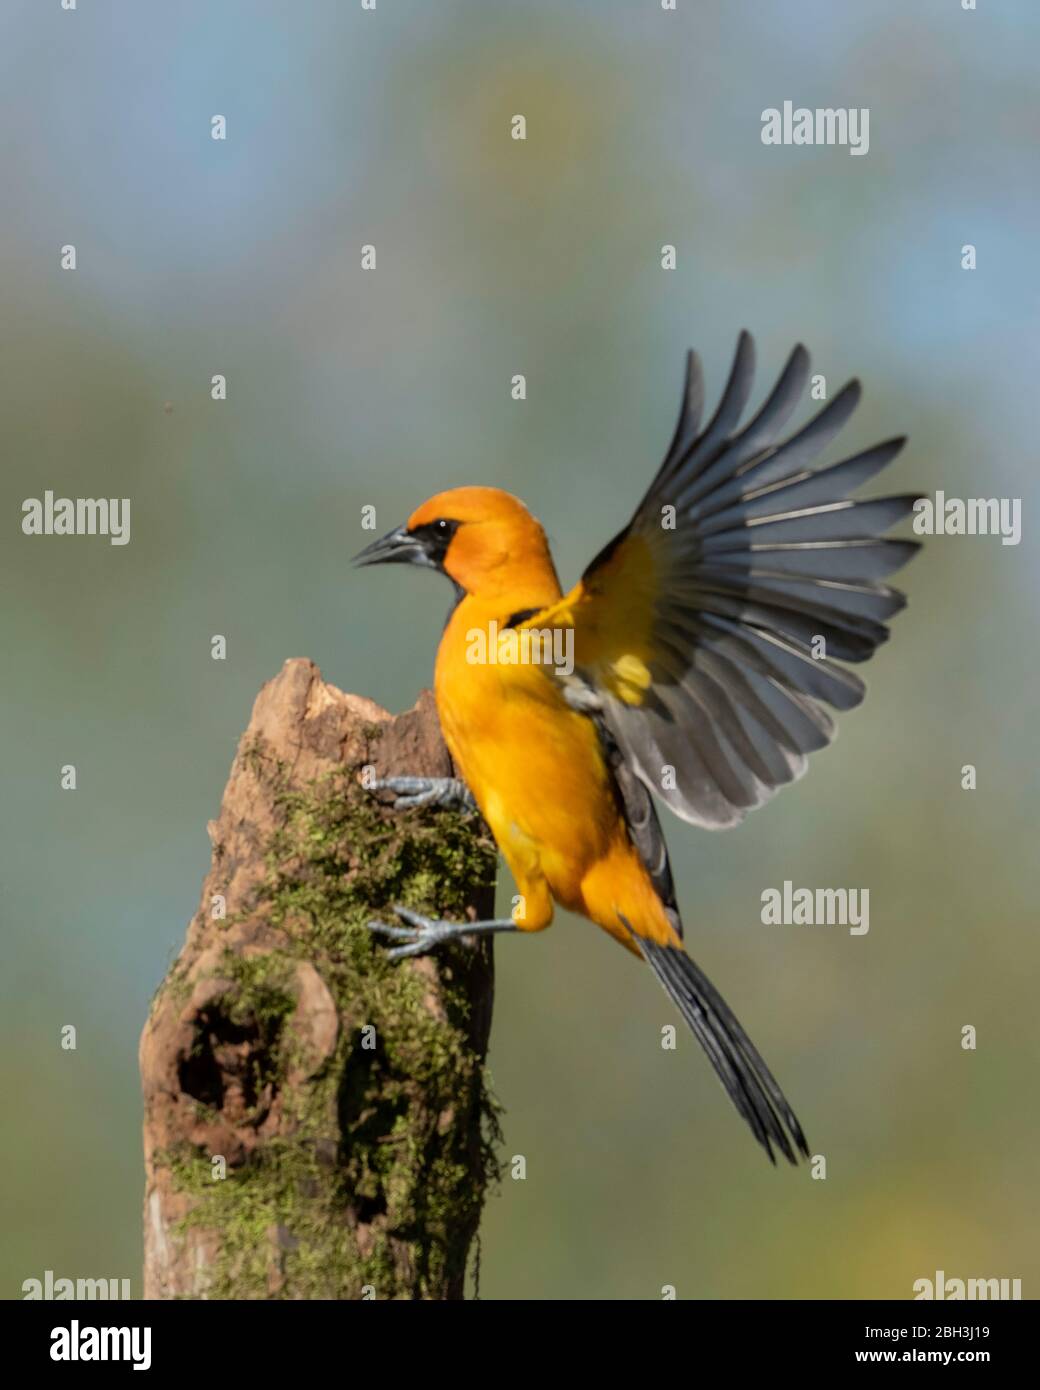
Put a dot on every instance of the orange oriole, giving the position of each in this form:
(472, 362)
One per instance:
(697, 676)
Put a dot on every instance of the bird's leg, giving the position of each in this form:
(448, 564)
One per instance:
(446, 792)
(424, 934)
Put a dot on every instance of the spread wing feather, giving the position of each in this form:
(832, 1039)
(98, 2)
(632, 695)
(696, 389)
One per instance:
(697, 629)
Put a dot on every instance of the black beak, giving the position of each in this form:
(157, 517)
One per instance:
(397, 547)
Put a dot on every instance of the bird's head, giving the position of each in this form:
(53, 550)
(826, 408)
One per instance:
(483, 539)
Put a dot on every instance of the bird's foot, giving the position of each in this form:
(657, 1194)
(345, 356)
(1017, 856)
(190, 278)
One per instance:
(445, 792)
(423, 934)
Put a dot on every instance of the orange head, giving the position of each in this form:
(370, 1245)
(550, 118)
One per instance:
(483, 539)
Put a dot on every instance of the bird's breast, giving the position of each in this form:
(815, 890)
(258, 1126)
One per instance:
(533, 763)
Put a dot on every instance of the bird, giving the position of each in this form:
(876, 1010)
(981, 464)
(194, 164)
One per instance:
(696, 663)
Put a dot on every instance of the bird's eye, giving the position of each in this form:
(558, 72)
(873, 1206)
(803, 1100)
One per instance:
(435, 536)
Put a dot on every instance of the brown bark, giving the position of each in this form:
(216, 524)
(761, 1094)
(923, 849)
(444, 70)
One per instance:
(317, 1122)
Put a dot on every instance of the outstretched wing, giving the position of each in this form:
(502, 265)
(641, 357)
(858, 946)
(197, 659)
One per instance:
(697, 629)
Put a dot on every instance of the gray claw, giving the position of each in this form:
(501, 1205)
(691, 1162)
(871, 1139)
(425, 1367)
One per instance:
(385, 929)
(424, 933)
(427, 791)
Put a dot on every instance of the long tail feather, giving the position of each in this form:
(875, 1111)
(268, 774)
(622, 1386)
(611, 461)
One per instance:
(746, 1078)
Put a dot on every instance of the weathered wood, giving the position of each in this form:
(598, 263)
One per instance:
(317, 1119)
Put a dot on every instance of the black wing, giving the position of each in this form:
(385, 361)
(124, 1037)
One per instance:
(699, 626)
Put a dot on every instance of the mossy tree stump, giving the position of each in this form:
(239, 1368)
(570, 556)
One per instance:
(318, 1122)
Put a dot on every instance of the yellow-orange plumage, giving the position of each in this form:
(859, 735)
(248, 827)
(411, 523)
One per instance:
(691, 669)
(535, 766)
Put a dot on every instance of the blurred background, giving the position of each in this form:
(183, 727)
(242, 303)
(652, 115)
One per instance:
(348, 388)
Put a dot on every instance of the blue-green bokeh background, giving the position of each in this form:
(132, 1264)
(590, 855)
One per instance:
(347, 388)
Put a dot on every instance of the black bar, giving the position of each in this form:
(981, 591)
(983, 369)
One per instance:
(263, 1338)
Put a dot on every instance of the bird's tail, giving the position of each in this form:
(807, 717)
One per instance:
(747, 1079)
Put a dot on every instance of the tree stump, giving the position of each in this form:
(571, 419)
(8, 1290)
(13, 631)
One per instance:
(318, 1121)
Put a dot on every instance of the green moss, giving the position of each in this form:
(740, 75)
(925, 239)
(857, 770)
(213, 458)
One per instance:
(390, 1146)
